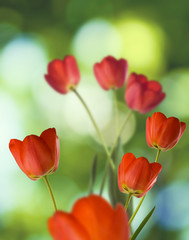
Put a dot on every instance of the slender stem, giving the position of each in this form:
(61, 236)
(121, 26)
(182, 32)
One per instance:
(136, 210)
(97, 129)
(120, 131)
(112, 149)
(128, 200)
(116, 112)
(157, 155)
(50, 192)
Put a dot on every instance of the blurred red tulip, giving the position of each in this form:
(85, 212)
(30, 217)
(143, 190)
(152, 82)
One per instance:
(142, 95)
(136, 175)
(92, 218)
(111, 73)
(163, 133)
(37, 156)
(63, 74)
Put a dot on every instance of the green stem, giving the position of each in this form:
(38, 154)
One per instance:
(112, 149)
(128, 200)
(97, 129)
(157, 155)
(50, 192)
(136, 210)
(116, 112)
(120, 131)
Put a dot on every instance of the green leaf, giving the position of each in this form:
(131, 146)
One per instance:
(143, 223)
(93, 174)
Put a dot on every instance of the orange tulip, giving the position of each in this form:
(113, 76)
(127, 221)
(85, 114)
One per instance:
(63, 74)
(111, 73)
(37, 156)
(141, 94)
(163, 133)
(137, 176)
(92, 218)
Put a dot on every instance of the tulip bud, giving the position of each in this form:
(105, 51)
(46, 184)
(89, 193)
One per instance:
(111, 73)
(37, 156)
(136, 175)
(142, 95)
(163, 133)
(63, 74)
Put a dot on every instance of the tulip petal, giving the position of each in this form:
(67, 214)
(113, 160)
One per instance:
(71, 70)
(142, 95)
(163, 133)
(157, 123)
(63, 74)
(56, 77)
(100, 226)
(127, 160)
(111, 73)
(155, 170)
(138, 174)
(120, 224)
(183, 127)
(169, 133)
(50, 138)
(36, 156)
(148, 132)
(15, 148)
(64, 226)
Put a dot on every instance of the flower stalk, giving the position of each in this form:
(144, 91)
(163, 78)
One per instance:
(50, 192)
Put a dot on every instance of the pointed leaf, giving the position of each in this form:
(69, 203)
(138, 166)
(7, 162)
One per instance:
(93, 174)
(143, 223)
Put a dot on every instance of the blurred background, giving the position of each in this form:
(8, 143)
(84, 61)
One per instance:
(153, 36)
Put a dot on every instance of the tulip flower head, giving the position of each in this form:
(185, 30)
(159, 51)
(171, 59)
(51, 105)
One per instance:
(92, 218)
(111, 73)
(163, 133)
(63, 74)
(142, 95)
(137, 176)
(37, 156)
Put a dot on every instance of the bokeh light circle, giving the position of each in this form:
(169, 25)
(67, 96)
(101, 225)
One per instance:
(22, 61)
(95, 40)
(172, 206)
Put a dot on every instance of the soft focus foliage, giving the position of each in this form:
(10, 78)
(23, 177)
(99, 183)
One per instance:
(153, 37)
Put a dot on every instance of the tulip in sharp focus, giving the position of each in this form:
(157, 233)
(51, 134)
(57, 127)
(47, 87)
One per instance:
(37, 156)
(163, 133)
(63, 74)
(137, 176)
(111, 73)
(92, 218)
(141, 94)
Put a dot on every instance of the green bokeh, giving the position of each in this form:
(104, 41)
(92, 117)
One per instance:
(152, 35)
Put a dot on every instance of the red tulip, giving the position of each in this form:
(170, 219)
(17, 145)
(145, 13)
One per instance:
(142, 95)
(136, 175)
(37, 156)
(163, 133)
(63, 74)
(92, 218)
(111, 73)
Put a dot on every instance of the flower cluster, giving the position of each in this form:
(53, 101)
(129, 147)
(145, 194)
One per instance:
(92, 217)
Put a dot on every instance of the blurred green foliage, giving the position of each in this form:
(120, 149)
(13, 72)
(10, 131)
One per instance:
(30, 107)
